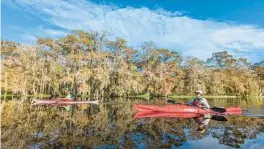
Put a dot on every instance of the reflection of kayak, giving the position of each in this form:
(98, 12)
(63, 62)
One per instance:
(181, 108)
(178, 115)
(62, 101)
(166, 115)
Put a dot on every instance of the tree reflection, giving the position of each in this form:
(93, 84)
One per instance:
(111, 126)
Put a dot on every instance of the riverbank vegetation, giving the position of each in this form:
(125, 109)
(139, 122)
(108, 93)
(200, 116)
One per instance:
(90, 64)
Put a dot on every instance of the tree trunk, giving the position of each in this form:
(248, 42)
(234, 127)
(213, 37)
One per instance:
(5, 94)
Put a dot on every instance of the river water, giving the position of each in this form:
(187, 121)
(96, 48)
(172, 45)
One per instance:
(112, 124)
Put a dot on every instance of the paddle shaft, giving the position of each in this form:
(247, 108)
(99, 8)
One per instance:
(214, 109)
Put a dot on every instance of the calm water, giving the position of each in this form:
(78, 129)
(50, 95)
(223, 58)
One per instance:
(112, 125)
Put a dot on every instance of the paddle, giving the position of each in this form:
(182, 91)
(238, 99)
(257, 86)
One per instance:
(215, 109)
(171, 101)
(219, 110)
(218, 118)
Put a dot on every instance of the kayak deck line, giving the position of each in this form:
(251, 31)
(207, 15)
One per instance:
(181, 108)
(217, 117)
(165, 115)
(62, 101)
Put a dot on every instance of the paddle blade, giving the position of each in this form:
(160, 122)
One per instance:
(171, 101)
(219, 110)
(218, 118)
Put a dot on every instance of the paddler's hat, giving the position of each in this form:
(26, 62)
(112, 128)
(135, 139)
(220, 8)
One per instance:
(199, 92)
(201, 128)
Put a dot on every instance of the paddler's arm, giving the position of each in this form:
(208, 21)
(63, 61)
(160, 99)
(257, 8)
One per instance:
(69, 97)
(191, 102)
(206, 105)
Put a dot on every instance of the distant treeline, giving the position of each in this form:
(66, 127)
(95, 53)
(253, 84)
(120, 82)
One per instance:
(90, 64)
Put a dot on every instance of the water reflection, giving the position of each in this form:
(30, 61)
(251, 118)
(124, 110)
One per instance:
(114, 126)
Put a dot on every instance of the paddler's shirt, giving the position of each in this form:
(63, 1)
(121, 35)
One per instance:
(206, 119)
(69, 96)
(201, 100)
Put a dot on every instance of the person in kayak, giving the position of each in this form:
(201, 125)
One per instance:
(202, 122)
(69, 95)
(198, 101)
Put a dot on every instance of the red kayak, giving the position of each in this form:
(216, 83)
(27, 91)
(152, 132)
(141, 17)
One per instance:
(181, 108)
(166, 115)
(63, 101)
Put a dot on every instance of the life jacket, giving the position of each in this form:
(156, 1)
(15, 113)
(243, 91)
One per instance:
(197, 103)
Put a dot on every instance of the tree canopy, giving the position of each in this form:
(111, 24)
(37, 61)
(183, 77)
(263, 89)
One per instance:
(90, 64)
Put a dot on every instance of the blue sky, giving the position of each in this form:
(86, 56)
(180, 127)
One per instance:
(191, 27)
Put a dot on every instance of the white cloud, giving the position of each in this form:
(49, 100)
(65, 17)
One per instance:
(257, 143)
(53, 32)
(206, 143)
(171, 30)
(28, 38)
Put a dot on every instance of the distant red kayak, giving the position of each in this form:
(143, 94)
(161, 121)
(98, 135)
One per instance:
(62, 101)
(181, 108)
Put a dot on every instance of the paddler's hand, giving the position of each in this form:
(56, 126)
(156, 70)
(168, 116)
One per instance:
(206, 108)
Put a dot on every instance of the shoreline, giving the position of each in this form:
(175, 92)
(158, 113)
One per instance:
(146, 96)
